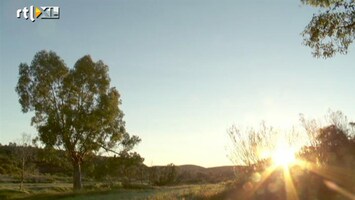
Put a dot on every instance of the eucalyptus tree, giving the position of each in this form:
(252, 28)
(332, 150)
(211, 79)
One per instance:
(332, 29)
(75, 109)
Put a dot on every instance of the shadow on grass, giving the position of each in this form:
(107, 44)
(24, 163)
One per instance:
(11, 194)
(16, 195)
(130, 191)
(59, 193)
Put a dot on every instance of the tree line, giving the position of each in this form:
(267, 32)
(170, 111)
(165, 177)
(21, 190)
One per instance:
(46, 165)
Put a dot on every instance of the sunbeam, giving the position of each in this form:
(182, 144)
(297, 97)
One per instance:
(290, 188)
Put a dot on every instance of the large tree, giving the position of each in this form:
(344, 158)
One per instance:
(332, 29)
(75, 110)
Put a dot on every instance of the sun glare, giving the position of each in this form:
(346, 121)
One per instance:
(284, 156)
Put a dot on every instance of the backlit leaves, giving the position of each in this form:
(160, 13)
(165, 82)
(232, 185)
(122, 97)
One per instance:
(332, 30)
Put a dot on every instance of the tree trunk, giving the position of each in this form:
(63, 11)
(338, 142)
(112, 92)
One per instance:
(22, 173)
(77, 185)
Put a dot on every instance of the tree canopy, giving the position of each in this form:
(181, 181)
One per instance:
(74, 109)
(332, 29)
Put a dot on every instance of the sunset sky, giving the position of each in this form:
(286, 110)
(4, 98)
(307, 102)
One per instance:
(186, 69)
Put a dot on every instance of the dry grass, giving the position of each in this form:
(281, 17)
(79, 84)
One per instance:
(64, 192)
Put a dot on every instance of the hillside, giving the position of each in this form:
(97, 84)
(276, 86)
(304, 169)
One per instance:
(198, 174)
(45, 163)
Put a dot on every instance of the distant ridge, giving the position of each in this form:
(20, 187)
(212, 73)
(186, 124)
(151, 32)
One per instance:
(197, 174)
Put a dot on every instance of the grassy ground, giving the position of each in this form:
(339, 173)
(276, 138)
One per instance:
(63, 191)
(12, 190)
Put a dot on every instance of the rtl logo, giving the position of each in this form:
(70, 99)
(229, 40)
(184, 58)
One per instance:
(42, 12)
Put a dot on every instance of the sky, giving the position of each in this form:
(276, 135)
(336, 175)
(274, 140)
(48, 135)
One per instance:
(187, 70)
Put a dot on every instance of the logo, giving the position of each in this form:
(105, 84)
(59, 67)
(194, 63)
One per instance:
(42, 12)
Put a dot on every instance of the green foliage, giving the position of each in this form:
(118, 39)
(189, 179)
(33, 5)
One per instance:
(8, 161)
(124, 167)
(51, 165)
(74, 109)
(52, 161)
(43, 161)
(12, 158)
(332, 30)
(127, 165)
(163, 175)
(321, 3)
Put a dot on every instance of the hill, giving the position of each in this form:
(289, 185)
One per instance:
(47, 163)
(198, 174)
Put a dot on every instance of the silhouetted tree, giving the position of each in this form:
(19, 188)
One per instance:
(333, 147)
(126, 165)
(153, 174)
(326, 141)
(332, 30)
(163, 175)
(170, 173)
(167, 175)
(75, 110)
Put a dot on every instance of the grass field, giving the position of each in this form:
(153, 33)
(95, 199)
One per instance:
(63, 191)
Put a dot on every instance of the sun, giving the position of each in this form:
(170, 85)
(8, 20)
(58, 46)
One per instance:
(284, 156)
